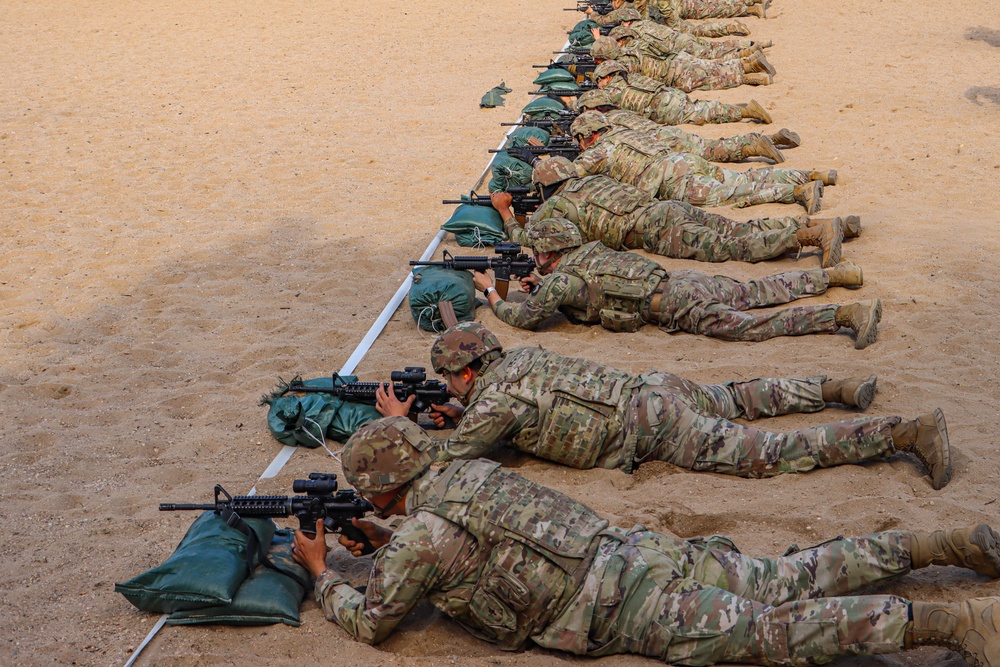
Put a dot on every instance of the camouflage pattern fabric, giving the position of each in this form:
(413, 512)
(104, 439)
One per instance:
(729, 149)
(670, 426)
(668, 106)
(693, 602)
(677, 229)
(713, 305)
(664, 40)
(684, 71)
(712, 9)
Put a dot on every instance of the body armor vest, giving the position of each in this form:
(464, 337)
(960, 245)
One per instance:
(646, 64)
(604, 208)
(618, 284)
(634, 152)
(638, 94)
(537, 545)
(631, 120)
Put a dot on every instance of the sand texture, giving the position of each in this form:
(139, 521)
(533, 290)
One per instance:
(200, 197)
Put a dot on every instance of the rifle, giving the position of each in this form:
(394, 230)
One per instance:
(411, 381)
(602, 8)
(511, 262)
(521, 202)
(577, 66)
(322, 501)
(584, 86)
(569, 149)
(551, 125)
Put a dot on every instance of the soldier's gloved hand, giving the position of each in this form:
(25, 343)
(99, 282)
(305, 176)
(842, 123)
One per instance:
(522, 154)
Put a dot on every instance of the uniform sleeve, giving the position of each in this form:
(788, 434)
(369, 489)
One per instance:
(553, 291)
(490, 419)
(417, 560)
(591, 161)
(515, 232)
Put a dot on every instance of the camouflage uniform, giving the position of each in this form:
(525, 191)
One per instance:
(671, 13)
(683, 70)
(588, 415)
(621, 216)
(729, 149)
(512, 560)
(595, 284)
(666, 41)
(668, 106)
(632, 157)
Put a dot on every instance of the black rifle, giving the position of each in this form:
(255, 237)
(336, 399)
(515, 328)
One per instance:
(511, 262)
(521, 202)
(569, 150)
(412, 381)
(578, 66)
(322, 501)
(601, 8)
(556, 93)
(551, 125)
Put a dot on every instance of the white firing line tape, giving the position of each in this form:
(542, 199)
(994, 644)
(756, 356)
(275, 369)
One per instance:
(360, 351)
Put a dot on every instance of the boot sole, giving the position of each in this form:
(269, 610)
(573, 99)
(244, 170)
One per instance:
(760, 111)
(942, 429)
(785, 138)
(867, 336)
(865, 394)
(988, 542)
(852, 226)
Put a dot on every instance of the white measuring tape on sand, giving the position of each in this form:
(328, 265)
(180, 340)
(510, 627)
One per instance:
(352, 362)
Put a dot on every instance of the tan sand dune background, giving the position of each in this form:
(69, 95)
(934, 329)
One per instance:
(199, 197)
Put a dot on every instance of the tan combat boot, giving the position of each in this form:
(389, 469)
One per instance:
(756, 63)
(755, 111)
(758, 79)
(970, 628)
(828, 237)
(750, 50)
(854, 392)
(737, 28)
(764, 43)
(764, 147)
(785, 138)
(810, 195)
(976, 549)
(851, 224)
(824, 177)
(757, 10)
(845, 274)
(863, 317)
(926, 437)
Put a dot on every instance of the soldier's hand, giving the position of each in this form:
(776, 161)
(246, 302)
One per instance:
(501, 202)
(481, 281)
(388, 405)
(529, 282)
(310, 552)
(376, 534)
(440, 412)
(596, 32)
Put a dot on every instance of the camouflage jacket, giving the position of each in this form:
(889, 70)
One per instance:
(558, 408)
(604, 209)
(505, 557)
(637, 93)
(638, 159)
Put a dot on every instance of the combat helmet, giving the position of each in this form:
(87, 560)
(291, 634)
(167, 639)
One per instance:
(553, 170)
(621, 32)
(386, 454)
(462, 344)
(629, 13)
(607, 68)
(605, 48)
(553, 235)
(588, 123)
(593, 98)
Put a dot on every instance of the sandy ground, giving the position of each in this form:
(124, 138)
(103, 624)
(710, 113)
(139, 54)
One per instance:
(200, 197)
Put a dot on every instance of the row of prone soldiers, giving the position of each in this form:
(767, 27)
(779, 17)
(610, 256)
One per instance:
(516, 562)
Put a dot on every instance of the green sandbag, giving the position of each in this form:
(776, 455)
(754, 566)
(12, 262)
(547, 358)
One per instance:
(475, 226)
(268, 596)
(305, 420)
(543, 107)
(553, 74)
(508, 172)
(432, 284)
(520, 136)
(580, 35)
(560, 86)
(206, 568)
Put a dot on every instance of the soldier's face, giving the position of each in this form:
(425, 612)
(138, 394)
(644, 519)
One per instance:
(460, 383)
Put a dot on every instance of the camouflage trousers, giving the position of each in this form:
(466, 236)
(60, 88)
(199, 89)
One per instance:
(688, 73)
(713, 9)
(713, 305)
(690, 425)
(678, 229)
(728, 149)
(681, 42)
(673, 107)
(702, 602)
(714, 186)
